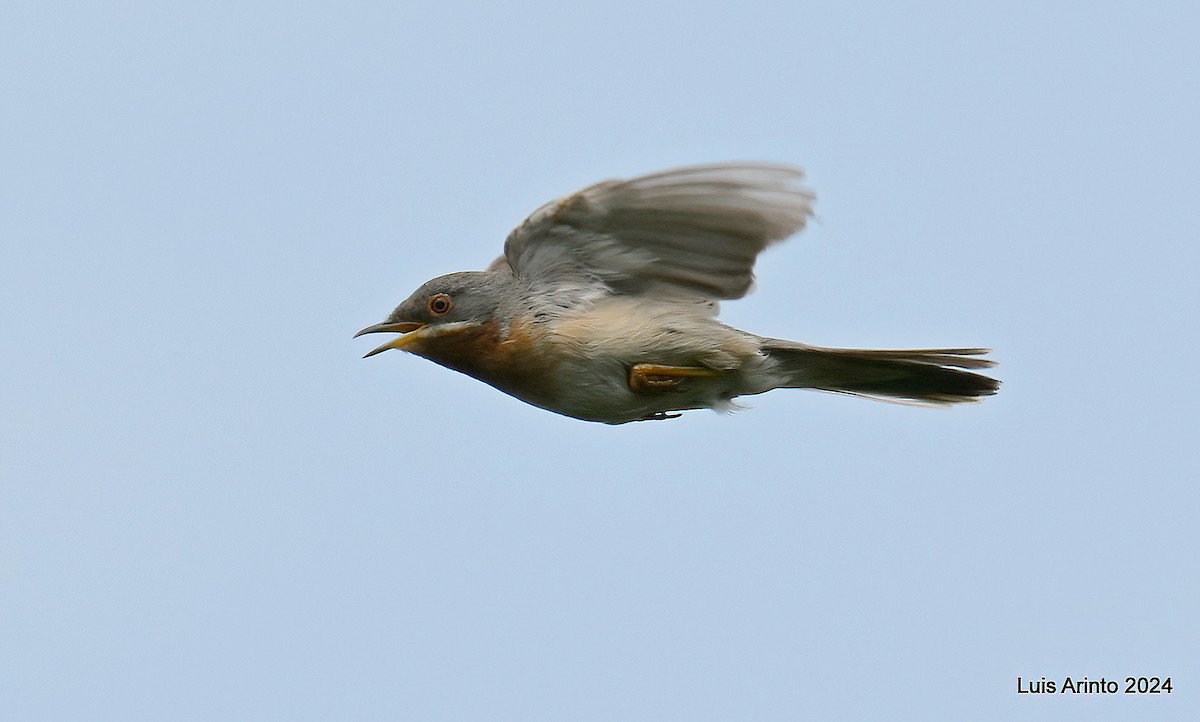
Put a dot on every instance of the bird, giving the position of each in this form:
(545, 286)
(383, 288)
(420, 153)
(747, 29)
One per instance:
(604, 304)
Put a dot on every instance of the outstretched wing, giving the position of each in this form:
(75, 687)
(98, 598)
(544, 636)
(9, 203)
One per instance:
(695, 230)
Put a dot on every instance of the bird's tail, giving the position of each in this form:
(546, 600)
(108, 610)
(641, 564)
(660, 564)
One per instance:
(919, 376)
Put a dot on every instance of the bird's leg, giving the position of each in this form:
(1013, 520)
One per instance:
(644, 378)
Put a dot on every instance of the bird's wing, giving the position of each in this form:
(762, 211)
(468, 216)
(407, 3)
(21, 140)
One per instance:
(695, 230)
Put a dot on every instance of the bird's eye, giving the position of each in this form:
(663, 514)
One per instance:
(440, 304)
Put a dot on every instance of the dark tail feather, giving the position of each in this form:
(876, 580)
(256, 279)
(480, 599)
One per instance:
(922, 376)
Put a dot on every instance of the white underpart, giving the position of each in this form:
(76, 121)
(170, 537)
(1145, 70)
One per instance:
(600, 346)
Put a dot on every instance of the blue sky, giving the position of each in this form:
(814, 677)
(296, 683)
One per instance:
(212, 508)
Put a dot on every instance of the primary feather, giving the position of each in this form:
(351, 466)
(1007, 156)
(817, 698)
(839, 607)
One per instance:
(691, 231)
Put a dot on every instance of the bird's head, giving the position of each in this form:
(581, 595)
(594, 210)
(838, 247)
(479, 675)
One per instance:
(450, 307)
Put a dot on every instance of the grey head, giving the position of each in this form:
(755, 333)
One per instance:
(450, 303)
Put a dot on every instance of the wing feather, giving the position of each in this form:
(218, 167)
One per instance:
(695, 230)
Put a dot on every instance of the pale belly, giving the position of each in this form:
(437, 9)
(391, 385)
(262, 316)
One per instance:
(598, 389)
(591, 375)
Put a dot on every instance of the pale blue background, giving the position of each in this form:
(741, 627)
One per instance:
(212, 509)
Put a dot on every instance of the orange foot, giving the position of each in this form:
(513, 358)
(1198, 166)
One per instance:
(644, 378)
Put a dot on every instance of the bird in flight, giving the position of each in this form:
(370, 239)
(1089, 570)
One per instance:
(604, 306)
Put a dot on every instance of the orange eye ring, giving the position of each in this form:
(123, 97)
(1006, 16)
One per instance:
(440, 304)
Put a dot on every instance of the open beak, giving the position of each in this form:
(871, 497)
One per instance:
(402, 327)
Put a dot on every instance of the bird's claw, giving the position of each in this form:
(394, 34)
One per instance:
(659, 416)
